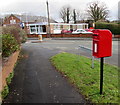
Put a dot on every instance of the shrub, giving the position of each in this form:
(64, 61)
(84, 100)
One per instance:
(114, 28)
(9, 45)
(23, 36)
(19, 34)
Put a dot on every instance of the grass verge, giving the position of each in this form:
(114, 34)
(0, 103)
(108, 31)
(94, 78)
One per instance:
(9, 78)
(79, 72)
(5, 92)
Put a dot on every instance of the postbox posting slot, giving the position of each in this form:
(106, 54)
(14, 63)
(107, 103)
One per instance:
(95, 36)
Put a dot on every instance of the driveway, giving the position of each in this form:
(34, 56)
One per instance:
(37, 81)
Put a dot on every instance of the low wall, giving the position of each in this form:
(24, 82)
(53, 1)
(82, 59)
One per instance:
(65, 35)
(7, 68)
(116, 36)
(60, 35)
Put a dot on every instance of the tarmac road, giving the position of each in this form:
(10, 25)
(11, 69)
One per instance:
(37, 81)
(71, 46)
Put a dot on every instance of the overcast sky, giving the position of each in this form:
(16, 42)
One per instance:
(38, 7)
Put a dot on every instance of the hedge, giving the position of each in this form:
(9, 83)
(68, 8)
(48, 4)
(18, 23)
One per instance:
(9, 45)
(19, 34)
(114, 28)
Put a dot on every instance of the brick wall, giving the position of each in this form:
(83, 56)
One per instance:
(60, 35)
(7, 68)
(116, 36)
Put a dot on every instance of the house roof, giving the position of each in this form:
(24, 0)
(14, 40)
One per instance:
(46, 23)
(40, 23)
(30, 18)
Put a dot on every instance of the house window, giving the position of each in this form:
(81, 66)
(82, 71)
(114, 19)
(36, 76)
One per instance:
(85, 26)
(44, 28)
(32, 29)
(41, 29)
(12, 21)
(56, 27)
(37, 29)
(71, 26)
(61, 27)
(74, 27)
(80, 26)
(67, 27)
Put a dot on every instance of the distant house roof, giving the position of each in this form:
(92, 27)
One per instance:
(40, 23)
(46, 23)
(29, 18)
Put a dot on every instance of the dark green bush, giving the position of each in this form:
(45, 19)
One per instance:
(113, 27)
(9, 45)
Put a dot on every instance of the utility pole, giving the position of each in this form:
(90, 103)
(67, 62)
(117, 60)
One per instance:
(48, 34)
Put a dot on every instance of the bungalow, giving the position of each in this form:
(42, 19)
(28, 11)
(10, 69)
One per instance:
(55, 28)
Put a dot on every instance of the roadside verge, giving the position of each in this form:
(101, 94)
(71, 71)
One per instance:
(77, 69)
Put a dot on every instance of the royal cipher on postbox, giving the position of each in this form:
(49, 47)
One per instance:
(102, 43)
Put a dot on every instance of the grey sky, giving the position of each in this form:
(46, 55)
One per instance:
(38, 7)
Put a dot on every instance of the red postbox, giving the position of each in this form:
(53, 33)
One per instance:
(102, 43)
(102, 47)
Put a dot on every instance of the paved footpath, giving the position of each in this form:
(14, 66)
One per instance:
(37, 81)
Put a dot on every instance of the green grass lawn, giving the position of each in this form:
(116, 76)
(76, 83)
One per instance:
(79, 72)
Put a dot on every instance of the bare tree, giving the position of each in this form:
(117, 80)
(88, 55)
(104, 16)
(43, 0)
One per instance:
(65, 14)
(68, 14)
(74, 16)
(78, 15)
(97, 11)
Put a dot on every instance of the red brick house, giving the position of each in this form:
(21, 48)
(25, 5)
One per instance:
(11, 20)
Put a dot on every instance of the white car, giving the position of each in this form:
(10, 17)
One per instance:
(81, 31)
(57, 31)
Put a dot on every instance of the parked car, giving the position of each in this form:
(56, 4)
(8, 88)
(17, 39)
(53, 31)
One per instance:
(57, 31)
(88, 30)
(81, 31)
(64, 31)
